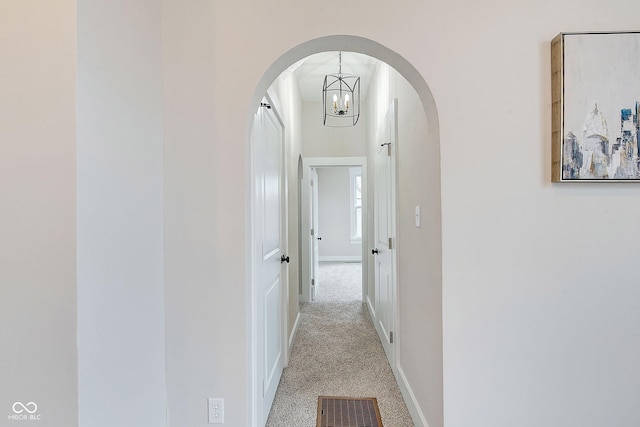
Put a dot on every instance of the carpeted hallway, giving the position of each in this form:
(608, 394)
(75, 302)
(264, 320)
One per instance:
(336, 353)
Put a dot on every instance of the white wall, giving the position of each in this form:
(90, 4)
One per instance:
(206, 296)
(540, 303)
(323, 141)
(37, 210)
(334, 216)
(419, 253)
(536, 331)
(121, 332)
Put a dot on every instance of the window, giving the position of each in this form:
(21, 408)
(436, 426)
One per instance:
(355, 180)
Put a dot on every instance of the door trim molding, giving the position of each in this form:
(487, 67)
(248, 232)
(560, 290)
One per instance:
(391, 117)
(313, 162)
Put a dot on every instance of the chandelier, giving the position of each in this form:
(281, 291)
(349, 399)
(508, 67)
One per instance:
(341, 98)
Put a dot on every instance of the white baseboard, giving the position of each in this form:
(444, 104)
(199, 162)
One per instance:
(407, 393)
(340, 258)
(372, 312)
(294, 331)
(410, 399)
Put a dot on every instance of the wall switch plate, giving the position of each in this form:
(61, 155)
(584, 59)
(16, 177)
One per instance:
(216, 410)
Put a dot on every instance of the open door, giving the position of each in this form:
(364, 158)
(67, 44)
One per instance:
(270, 258)
(385, 240)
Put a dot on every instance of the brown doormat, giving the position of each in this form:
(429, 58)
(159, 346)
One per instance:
(348, 412)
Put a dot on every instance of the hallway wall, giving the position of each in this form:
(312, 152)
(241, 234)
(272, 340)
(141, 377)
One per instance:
(322, 141)
(334, 216)
(38, 359)
(419, 251)
(206, 296)
(121, 334)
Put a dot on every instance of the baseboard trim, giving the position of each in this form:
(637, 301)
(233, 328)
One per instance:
(372, 312)
(294, 331)
(410, 399)
(340, 258)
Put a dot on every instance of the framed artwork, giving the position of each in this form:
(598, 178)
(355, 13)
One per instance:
(595, 83)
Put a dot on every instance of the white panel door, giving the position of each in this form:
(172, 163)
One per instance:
(269, 248)
(385, 233)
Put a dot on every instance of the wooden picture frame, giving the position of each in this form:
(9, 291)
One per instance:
(595, 107)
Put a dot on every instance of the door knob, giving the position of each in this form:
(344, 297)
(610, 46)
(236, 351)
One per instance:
(319, 238)
(284, 259)
(374, 251)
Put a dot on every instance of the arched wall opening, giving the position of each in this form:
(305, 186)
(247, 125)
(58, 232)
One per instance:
(420, 294)
(353, 44)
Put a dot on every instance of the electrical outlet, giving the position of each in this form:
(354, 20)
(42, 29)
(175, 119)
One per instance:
(216, 411)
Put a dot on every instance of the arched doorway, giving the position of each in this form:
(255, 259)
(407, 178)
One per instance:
(330, 43)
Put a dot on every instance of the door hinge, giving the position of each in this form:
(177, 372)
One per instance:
(388, 144)
(312, 232)
(390, 337)
(390, 242)
(313, 282)
(311, 183)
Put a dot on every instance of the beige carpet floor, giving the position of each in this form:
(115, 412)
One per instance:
(336, 353)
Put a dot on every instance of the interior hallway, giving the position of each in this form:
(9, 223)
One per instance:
(336, 352)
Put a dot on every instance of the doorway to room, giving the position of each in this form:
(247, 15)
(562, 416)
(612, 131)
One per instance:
(334, 218)
(338, 229)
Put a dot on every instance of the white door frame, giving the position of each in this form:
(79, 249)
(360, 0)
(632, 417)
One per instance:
(305, 259)
(314, 251)
(389, 123)
(252, 241)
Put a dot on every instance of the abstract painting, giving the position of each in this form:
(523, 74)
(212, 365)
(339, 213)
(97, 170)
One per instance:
(596, 107)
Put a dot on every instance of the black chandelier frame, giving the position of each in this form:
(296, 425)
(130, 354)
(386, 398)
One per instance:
(340, 84)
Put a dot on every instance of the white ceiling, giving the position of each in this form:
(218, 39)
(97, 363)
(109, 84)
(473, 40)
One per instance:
(310, 72)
